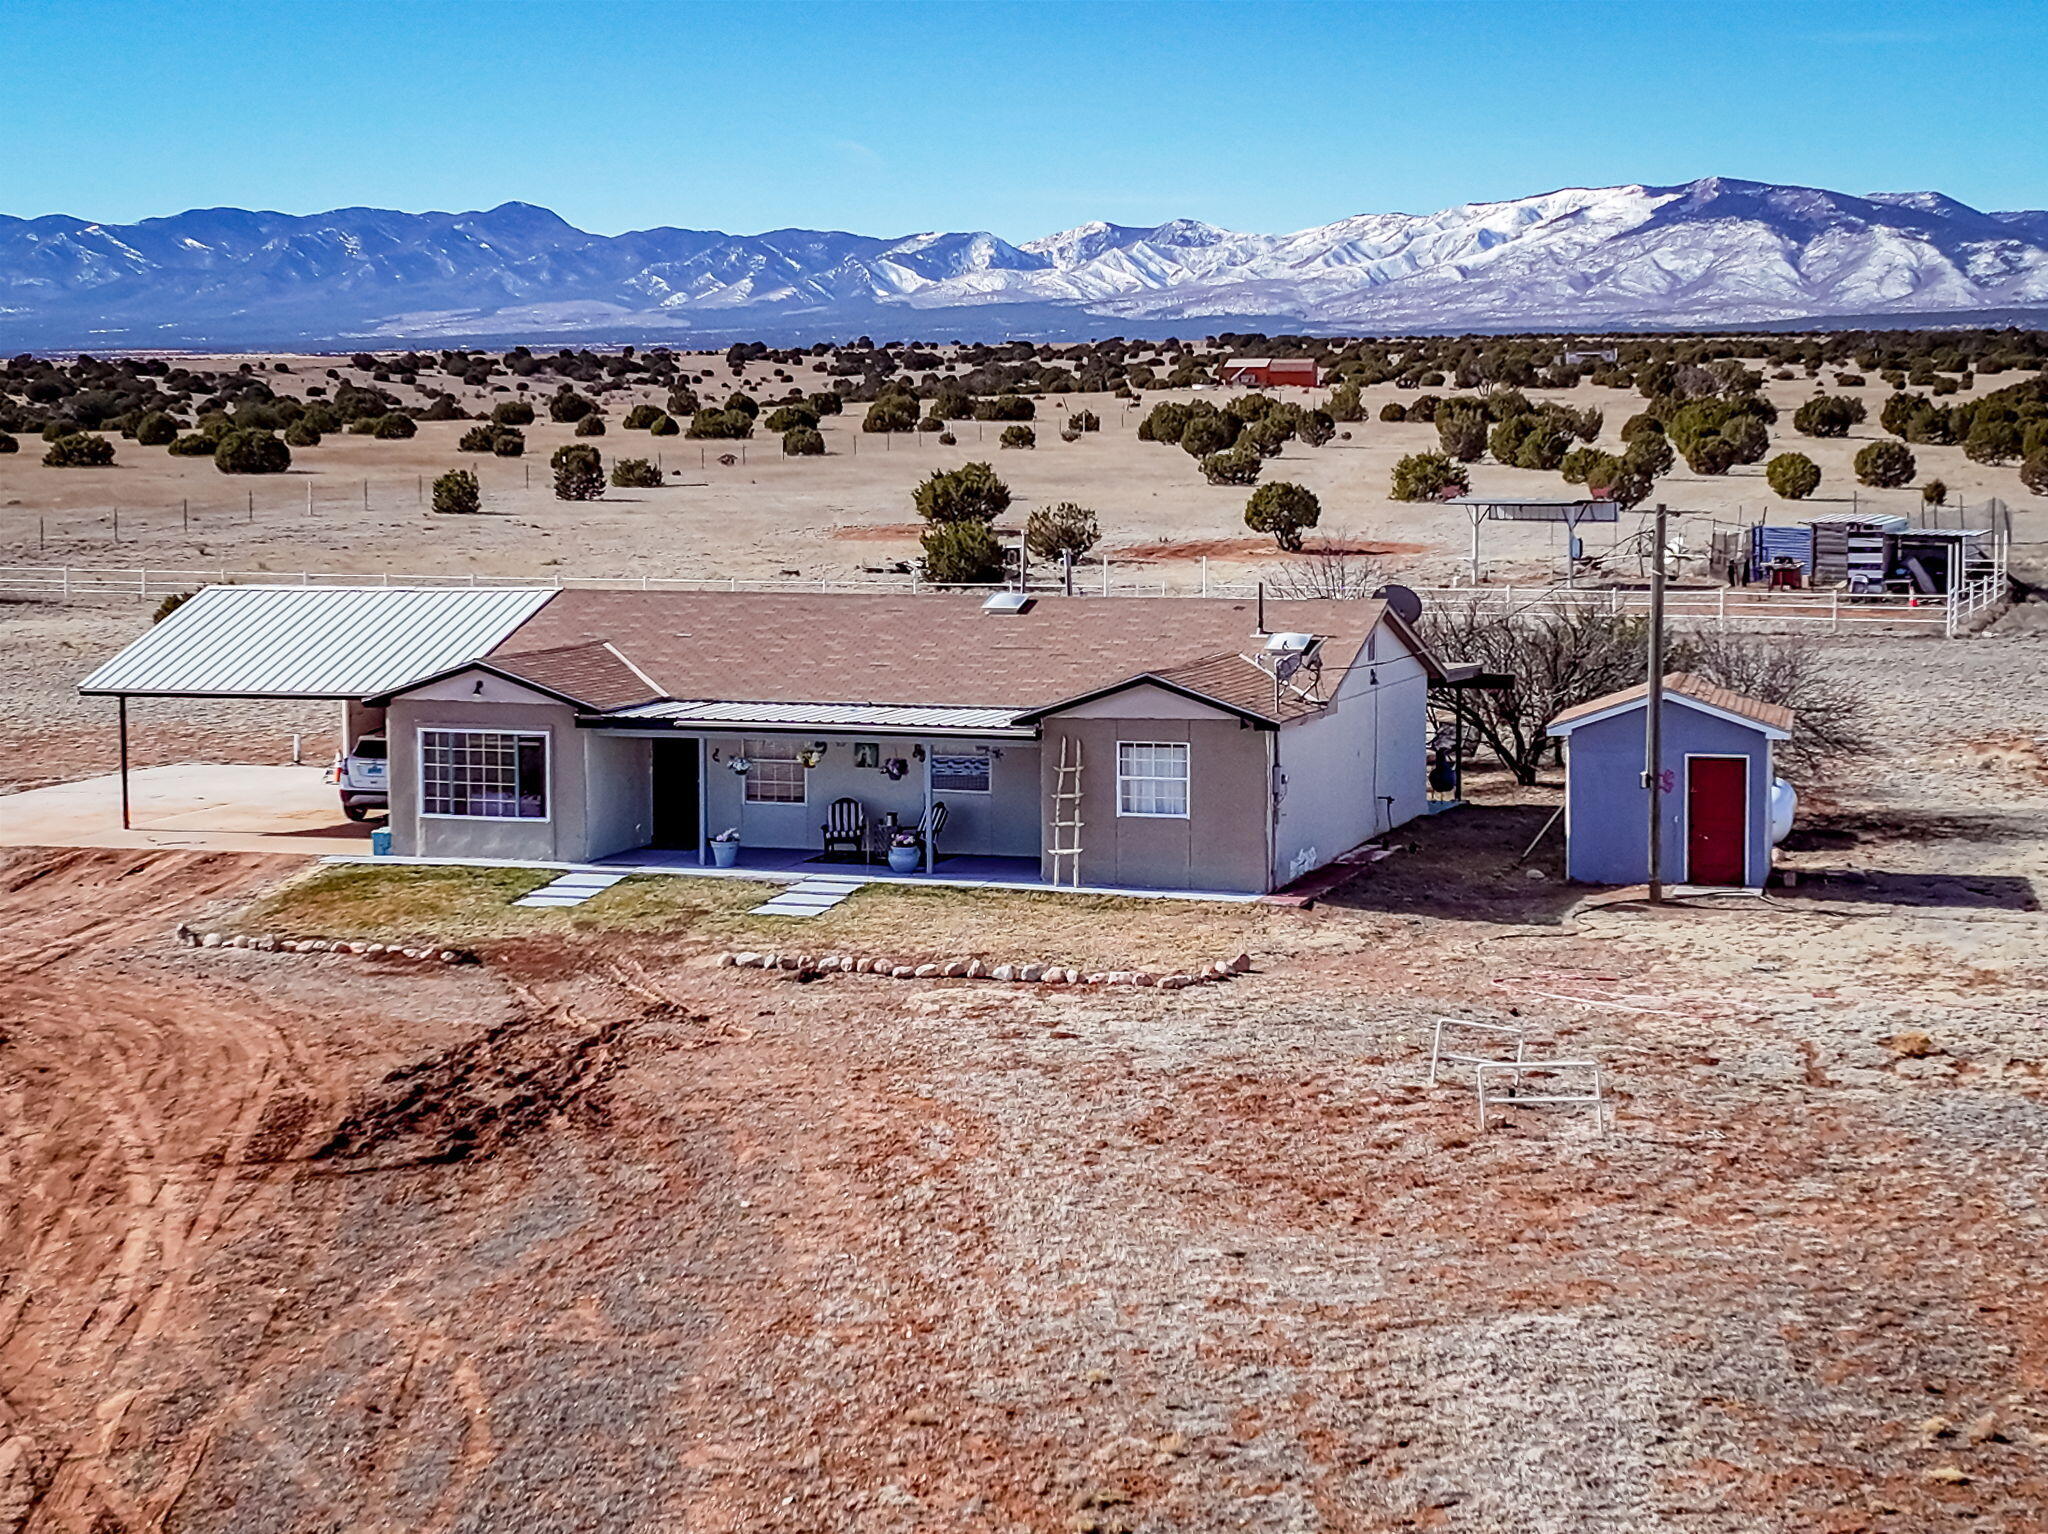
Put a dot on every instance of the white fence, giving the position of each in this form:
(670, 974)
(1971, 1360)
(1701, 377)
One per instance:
(1727, 608)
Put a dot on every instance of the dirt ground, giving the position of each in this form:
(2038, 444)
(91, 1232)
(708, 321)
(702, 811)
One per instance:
(354, 505)
(594, 1235)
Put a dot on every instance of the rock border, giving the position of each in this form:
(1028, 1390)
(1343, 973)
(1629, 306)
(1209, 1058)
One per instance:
(267, 942)
(1019, 973)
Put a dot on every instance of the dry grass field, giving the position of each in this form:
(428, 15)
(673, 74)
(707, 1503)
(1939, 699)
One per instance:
(357, 505)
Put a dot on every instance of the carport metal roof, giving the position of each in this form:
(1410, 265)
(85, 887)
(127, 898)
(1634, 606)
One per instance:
(312, 641)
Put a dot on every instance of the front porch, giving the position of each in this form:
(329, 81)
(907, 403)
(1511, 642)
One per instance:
(803, 863)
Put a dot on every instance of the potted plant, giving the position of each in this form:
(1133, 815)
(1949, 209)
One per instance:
(725, 847)
(904, 852)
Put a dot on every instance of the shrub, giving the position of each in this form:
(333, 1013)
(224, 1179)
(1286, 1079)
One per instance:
(827, 402)
(579, 473)
(393, 427)
(947, 439)
(1005, 407)
(456, 493)
(635, 474)
(9, 443)
(568, 405)
(2033, 473)
(1992, 442)
(803, 442)
(1935, 492)
(1052, 532)
(892, 412)
(591, 425)
(1428, 477)
(1461, 433)
(79, 450)
(1344, 404)
(252, 452)
(932, 423)
(665, 425)
(744, 404)
(512, 412)
(789, 417)
(1792, 476)
(477, 439)
(970, 493)
(1885, 465)
(1710, 455)
(509, 442)
(1284, 510)
(302, 433)
(1239, 466)
(963, 551)
(1393, 412)
(1206, 434)
(1017, 436)
(1084, 420)
(192, 445)
(1620, 480)
(640, 417)
(720, 425)
(156, 430)
(1651, 452)
(1747, 435)
(1315, 427)
(169, 605)
(1827, 415)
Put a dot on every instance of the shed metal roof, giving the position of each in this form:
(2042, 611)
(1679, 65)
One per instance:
(313, 641)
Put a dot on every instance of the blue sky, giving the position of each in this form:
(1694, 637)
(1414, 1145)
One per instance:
(1022, 118)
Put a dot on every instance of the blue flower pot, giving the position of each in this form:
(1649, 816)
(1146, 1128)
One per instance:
(725, 854)
(904, 860)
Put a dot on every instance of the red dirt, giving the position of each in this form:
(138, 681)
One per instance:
(594, 1236)
(1253, 548)
(880, 532)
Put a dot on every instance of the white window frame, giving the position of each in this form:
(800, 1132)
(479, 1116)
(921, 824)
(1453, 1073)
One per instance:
(547, 773)
(988, 770)
(748, 749)
(1125, 779)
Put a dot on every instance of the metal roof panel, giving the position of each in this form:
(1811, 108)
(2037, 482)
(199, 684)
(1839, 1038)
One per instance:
(313, 641)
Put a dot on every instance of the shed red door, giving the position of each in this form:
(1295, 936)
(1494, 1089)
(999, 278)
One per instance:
(1716, 819)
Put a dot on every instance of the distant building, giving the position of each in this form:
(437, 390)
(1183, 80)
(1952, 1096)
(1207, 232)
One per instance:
(1271, 372)
(1587, 356)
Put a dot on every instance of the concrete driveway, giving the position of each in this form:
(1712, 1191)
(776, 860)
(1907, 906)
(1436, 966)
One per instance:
(210, 807)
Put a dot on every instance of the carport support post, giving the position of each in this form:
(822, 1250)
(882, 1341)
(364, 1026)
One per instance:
(1653, 716)
(122, 704)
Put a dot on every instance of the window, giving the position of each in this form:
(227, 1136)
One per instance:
(960, 772)
(1151, 778)
(774, 775)
(483, 773)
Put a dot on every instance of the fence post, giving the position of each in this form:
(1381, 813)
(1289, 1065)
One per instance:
(1835, 610)
(67, 583)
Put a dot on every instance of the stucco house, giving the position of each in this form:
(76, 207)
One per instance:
(1167, 743)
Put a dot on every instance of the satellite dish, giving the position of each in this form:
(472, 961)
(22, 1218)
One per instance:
(1402, 603)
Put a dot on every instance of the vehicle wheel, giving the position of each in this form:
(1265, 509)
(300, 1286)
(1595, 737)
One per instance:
(354, 811)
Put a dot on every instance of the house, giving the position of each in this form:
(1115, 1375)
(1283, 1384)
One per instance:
(1148, 743)
(1270, 372)
(1721, 804)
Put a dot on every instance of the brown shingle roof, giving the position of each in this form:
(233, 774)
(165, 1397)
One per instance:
(1699, 689)
(595, 675)
(929, 649)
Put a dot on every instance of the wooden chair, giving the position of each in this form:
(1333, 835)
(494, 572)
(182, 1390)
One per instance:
(930, 824)
(846, 827)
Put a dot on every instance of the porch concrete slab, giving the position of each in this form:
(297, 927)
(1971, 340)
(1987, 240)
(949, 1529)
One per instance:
(587, 881)
(205, 806)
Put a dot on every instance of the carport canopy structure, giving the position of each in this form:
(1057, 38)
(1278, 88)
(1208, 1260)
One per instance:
(1506, 508)
(307, 644)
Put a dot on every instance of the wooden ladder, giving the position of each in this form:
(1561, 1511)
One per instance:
(1066, 813)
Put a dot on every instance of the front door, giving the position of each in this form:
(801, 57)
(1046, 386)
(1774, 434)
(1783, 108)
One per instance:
(1717, 820)
(675, 794)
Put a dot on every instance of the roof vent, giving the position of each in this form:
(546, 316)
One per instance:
(1008, 602)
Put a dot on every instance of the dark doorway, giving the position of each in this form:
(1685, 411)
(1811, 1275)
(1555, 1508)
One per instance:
(675, 794)
(1717, 820)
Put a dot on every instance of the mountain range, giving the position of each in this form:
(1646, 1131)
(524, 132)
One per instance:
(1713, 252)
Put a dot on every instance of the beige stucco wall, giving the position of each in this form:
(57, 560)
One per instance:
(1221, 845)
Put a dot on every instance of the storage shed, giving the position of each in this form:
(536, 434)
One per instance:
(1271, 372)
(1721, 806)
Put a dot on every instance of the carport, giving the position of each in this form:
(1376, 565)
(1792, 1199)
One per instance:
(303, 644)
(1569, 514)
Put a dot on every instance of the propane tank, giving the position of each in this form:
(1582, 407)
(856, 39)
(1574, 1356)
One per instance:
(1784, 805)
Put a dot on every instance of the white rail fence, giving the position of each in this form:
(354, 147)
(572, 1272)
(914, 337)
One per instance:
(1728, 608)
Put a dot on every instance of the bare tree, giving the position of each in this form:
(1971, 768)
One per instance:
(1326, 573)
(1558, 657)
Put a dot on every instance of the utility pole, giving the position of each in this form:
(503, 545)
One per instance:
(1653, 716)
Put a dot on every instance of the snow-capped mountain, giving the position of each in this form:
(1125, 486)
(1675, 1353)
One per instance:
(1712, 252)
